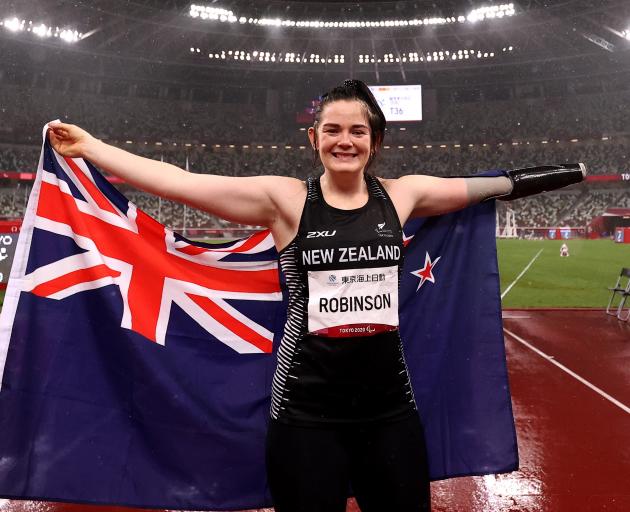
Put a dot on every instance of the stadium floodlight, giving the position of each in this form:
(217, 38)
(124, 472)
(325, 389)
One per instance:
(41, 29)
(295, 57)
(207, 13)
(494, 11)
(14, 25)
(429, 56)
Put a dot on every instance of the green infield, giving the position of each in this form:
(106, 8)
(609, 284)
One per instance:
(581, 280)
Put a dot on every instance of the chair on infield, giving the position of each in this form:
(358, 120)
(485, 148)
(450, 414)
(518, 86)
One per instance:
(621, 288)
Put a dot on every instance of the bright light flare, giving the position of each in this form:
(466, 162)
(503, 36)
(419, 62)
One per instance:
(70, 36)
(13, 24)
(495, 11)
(224, 15)
(41, 29)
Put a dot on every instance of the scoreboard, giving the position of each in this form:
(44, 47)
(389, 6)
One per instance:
(399, 102)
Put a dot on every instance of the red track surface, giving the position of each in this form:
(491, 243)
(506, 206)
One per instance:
(574, 444)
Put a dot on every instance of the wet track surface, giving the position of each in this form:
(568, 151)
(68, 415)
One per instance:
(574, 443)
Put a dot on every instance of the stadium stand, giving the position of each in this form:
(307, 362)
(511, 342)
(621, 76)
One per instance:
(476, 119)
(603, 157)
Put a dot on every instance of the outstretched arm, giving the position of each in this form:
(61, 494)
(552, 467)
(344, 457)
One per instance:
(420, 196)
(247, 200)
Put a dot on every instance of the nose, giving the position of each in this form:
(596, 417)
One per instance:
(345, 140)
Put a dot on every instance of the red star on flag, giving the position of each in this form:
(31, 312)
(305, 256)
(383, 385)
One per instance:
(426, 273)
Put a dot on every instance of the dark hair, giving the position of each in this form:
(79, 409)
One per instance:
(358, 91)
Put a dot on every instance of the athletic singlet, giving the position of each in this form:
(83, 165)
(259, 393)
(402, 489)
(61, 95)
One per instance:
(341, 359)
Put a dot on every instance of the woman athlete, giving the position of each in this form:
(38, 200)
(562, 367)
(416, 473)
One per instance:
(343, 416)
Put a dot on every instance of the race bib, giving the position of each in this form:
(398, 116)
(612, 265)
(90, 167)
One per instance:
(353, 302)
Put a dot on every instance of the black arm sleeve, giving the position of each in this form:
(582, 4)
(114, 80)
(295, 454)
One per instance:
(534, 180)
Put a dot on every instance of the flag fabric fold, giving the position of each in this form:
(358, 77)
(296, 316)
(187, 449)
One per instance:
(136, 365)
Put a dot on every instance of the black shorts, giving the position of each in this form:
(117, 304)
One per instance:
(315, 469)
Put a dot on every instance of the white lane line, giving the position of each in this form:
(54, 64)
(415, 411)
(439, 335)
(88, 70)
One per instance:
(551, 359)
(520, 275)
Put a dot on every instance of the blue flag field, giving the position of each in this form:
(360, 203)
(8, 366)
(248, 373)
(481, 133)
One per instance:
(136, 365)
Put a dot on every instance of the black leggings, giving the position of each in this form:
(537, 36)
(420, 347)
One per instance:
(310, 469)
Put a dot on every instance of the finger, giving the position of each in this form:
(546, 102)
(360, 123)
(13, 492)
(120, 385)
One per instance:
(56, 130)
(59, 127)
(59, 133)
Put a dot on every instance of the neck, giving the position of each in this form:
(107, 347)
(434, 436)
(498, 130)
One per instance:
(343, 183)
(346, 191)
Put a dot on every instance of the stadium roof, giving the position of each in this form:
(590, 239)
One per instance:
(548, 39)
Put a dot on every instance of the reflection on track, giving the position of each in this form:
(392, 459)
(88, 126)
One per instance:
(574, 444)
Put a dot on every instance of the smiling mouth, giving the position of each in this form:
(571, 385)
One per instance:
(344, 156)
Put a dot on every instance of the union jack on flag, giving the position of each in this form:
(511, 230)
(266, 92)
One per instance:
(152, 267)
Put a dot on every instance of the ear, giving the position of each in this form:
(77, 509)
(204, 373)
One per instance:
(312, 135)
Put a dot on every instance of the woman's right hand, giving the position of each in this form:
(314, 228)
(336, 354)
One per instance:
(68, 139)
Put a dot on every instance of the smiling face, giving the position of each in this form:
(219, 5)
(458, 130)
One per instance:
(343, 137)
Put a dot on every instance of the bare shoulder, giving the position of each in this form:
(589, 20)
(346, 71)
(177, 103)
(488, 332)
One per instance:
(403, 181)
(405, 193)
(284, 189)
(288, 196)
(289, 184)
(405, 185)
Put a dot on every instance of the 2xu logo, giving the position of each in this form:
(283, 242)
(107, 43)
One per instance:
(318, 234)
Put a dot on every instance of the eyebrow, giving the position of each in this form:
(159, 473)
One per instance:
(335, 125)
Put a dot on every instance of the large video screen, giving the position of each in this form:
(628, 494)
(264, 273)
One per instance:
(399, 102)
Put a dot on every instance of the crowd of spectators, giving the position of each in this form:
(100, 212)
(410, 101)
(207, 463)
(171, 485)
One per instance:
(541, 211)
(596, 203)
(137, 119)
(601, 156)
(240, 140)
(13, 202)
(573, 207)
(583, 116)
(177, 216)
(168, 120)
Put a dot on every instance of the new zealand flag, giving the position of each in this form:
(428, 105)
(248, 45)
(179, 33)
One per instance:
(136, 364)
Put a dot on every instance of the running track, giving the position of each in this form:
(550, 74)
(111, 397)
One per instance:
(574, 443)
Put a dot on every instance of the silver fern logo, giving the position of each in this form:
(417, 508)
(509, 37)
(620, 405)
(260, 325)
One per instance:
(381, 231)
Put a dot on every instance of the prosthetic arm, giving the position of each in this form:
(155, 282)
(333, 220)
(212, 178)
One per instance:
(517, 183)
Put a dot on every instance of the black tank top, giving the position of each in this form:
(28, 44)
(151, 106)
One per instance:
(341, 359)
